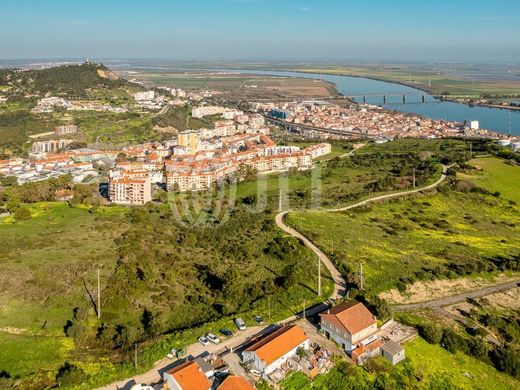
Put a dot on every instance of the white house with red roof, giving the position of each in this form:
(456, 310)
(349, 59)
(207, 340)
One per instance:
(353, 326)
(273, 350)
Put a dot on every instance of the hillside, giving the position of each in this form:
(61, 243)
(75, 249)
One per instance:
(70, 80)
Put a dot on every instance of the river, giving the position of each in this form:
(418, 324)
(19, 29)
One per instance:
(494, 119)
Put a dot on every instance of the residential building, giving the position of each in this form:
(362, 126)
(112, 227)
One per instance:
(270, 352)
(50, 146)
(186, 376)
(189, 140)
(144, 96)
(131, 189)
(234, 382)
(65, 129)
(353, 326)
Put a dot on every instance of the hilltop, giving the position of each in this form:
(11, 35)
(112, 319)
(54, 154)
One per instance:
(62, 80)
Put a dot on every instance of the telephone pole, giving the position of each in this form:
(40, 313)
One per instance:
(269, 307)
(304, 308)
(413, 174)
(98, 296)
(135, 356)
(361, 281)
(319, 277)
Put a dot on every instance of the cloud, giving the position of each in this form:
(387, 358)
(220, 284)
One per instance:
(304, 8)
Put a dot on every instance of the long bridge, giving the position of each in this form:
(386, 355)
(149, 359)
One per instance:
(385, 97)
(289, 126)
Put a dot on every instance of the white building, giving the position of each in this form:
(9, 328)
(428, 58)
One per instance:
(144, 96)
(353, 326)
(270, 352)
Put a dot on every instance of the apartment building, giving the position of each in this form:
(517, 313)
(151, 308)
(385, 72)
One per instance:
(65, 129)
(50, 146)
(131, 188)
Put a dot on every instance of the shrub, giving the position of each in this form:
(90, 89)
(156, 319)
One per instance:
(431, 333)
(22, 214)
(69, 375)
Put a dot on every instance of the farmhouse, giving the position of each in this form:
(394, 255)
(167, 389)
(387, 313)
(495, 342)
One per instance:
(353, 326)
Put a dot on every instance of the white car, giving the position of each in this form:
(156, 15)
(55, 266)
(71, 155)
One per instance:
(241, 325)
(255, 373)
(203, 340)
(214, 339)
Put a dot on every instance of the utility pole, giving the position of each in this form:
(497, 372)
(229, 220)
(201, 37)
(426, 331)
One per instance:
(303, 308)
(361, 281)
(135, 356)
(269, 307)
(319, 277)
(413, 174)
(98, 296)
(470, 149)
(333, 246)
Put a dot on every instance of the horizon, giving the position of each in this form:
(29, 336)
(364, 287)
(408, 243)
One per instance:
(263, 30)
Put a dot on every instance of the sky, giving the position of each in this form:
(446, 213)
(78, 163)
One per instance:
(252, 30)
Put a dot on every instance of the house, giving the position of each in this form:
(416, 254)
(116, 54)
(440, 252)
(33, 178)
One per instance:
(187, 376)
(270, 352)
(353, 326)
(234, 382)
(393, 351)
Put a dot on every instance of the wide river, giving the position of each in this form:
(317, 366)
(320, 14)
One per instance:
(494, 119)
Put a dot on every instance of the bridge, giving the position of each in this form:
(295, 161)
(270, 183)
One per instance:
(297, 127)
(385, 97)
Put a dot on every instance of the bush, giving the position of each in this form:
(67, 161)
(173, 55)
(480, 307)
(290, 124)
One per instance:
(431, 333)
(453, 342)
(507, 360)
(69, 375)
(22, 214)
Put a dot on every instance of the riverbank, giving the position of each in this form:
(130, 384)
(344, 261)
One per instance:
(431, 92)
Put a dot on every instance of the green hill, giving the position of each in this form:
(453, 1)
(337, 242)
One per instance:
(70, 80)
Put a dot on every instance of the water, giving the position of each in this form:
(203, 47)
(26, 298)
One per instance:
(493, 119)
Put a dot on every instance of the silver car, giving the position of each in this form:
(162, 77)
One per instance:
(241, 325)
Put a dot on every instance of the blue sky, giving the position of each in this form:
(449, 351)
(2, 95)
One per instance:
(441, 30)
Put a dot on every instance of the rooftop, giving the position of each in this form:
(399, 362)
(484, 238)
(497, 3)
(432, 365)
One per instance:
(278, 343)
(351, 315)
(189, 375)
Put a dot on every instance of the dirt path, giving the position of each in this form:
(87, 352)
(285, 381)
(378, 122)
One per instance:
(446, 301)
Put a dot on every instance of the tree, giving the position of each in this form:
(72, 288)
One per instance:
(22, 214)
(431, 333)
(69, 375)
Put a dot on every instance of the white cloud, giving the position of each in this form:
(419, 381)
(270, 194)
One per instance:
(304, 8)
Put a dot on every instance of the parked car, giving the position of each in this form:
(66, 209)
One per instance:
(214, 339)
(259, 319)
(255, 373)
(241, 325)
(226, 332)
(203, 340)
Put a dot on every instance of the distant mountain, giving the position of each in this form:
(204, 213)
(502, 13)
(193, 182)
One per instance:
(70, 80)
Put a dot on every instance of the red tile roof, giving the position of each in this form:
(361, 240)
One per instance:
(189, 376)
(352, 316)
(234, 382)
(274, 346)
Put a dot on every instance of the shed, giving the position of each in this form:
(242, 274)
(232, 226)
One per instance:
(393, 352)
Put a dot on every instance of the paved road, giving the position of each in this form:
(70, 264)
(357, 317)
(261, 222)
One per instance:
(395, 194)
(155, 375)
(451, 300)
(339, 281)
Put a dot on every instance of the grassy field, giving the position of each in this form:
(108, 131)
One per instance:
(44, 263)
(400, 238)
(497, 175)
(426, 367)
(432, 360)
